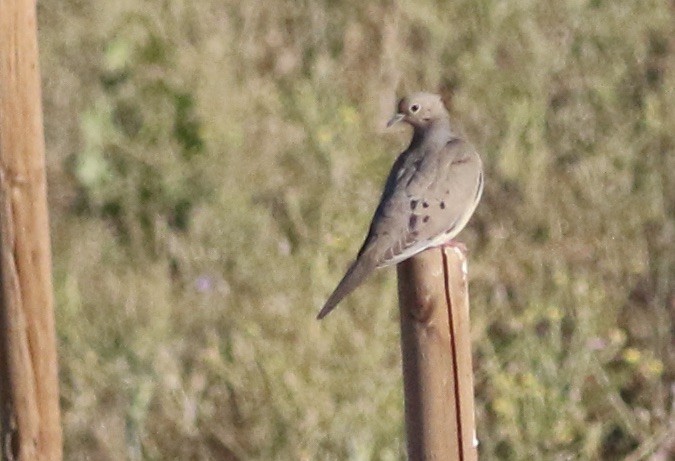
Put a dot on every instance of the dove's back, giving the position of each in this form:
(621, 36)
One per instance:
(427, 201)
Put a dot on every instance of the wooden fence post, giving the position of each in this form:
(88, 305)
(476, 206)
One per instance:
(29, 397)
(436, 348)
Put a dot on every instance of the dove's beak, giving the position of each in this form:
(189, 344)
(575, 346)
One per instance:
(395, 119)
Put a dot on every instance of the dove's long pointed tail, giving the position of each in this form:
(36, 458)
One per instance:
(356, 273)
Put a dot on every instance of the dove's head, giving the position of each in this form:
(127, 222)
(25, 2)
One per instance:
(419, 110)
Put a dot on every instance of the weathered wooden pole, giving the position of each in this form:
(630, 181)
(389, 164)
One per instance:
(29, 397)
(436, 348)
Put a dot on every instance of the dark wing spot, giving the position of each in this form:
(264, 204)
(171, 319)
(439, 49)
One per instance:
(412, 222)
(413, 204)
(425, 204)
(442, 205)
(425, 219)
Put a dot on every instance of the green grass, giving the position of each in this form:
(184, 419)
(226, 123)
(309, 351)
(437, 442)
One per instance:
(213, 167)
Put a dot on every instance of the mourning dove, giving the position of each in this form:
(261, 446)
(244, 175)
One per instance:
(431, 192)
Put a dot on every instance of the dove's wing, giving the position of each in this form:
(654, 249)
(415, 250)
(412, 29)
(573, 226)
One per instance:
(428, 199)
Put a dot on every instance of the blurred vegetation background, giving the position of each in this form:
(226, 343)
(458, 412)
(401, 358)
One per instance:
(213, 167)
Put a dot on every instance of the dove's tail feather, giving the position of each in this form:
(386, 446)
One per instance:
(356, 273)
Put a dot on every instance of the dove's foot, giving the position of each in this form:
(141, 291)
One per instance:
(455, 244)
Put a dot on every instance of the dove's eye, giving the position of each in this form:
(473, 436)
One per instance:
(414, 108)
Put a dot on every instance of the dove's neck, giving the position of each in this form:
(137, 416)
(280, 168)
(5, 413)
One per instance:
(437, 132)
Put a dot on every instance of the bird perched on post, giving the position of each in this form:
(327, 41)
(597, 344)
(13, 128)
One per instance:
(431, 192)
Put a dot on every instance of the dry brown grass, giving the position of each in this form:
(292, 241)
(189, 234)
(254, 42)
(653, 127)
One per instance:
(213, 167)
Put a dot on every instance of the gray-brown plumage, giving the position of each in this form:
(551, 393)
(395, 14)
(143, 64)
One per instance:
(430, 194)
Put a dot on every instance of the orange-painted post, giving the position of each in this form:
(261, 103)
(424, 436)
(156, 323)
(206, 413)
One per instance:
(436, 347)
(29, 396)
